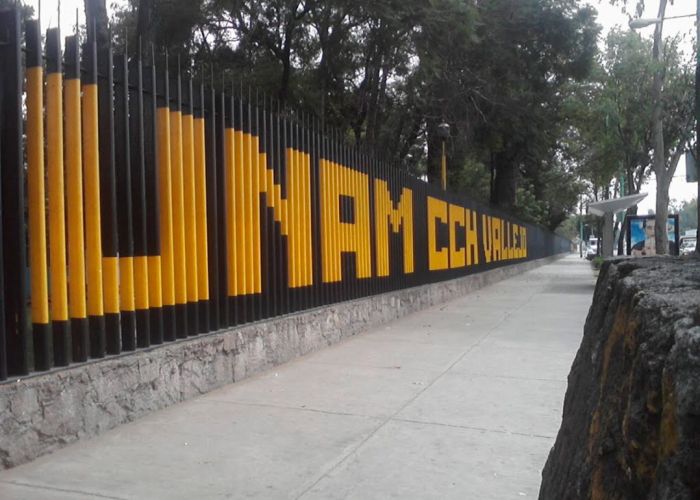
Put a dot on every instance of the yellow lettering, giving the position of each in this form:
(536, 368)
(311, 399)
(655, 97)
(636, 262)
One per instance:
(438, 258)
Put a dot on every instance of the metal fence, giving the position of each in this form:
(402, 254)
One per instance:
(140, 207)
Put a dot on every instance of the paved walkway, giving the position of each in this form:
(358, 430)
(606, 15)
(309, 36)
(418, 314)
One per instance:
(460, 401)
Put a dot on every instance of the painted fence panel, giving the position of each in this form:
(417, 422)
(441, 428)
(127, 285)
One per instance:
(159, 208)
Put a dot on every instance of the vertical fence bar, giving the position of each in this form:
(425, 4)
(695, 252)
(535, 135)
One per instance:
(256, 221)
(188, 152)
(270, 269)
(152, 165)
(138, 205)
(283, 251)
(249, 286)
(166, 204)
(222, 292)
(264, 245)
(201, 211)
(178, 200)
(110, 339)
(316, 212)
(241, 270)
(43, 345)
(232, 159)
(255, 207)
(122, 156)
(212, 209)
(80, 335)
(19, 342)
(92, 200)
(60, 325)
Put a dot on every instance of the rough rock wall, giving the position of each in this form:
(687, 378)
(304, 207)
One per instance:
(631, 420)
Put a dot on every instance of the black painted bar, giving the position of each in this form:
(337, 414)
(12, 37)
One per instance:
(152, 200)
(212, 209)
(105, 331)
(18, 358)
(125, 230)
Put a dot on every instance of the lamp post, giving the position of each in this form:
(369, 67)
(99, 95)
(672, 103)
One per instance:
(643, 23)
(443, 132)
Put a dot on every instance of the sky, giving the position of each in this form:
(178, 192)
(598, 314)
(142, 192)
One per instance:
(608, 16)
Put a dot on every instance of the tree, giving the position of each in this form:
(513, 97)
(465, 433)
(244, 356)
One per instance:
(385, 73)
(671, 122)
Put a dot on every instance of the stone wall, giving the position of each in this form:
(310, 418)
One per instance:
(44, 412)
(631, 420)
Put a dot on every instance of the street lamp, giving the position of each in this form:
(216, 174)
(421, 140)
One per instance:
(443, 132)
(643, 23)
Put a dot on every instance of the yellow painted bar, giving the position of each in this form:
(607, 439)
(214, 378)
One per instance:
(496, 238)
(178, 201)
(301, 222)
(231, 236)
(190, 207)
(437, 258)
(93, 224)
(166, 208)
(37, 196)
(325, 215)
(293, 222)
(239, 208)
(361, 189)
(486, 238)
(334, 221)
(306, 215)
(57, 224)
(201, 209)
(255, 210)
(74, 192)
(457, 248)
(471, 218)
(345, 234)
(248, 200)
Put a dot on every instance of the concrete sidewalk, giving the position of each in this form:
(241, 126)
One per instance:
(460, 401)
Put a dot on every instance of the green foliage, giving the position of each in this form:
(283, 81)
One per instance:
(473, 179)
(687, 214)
(387, 72)
(597, 262)
(570, 227)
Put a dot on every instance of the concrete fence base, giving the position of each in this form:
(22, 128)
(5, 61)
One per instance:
(47, 411)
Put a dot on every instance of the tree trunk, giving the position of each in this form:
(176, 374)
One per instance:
(659, 162)
(505, 181)
(608, 235)
(660, 233)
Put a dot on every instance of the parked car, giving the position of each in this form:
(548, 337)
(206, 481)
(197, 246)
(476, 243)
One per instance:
(592, 250)
(687, 245)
